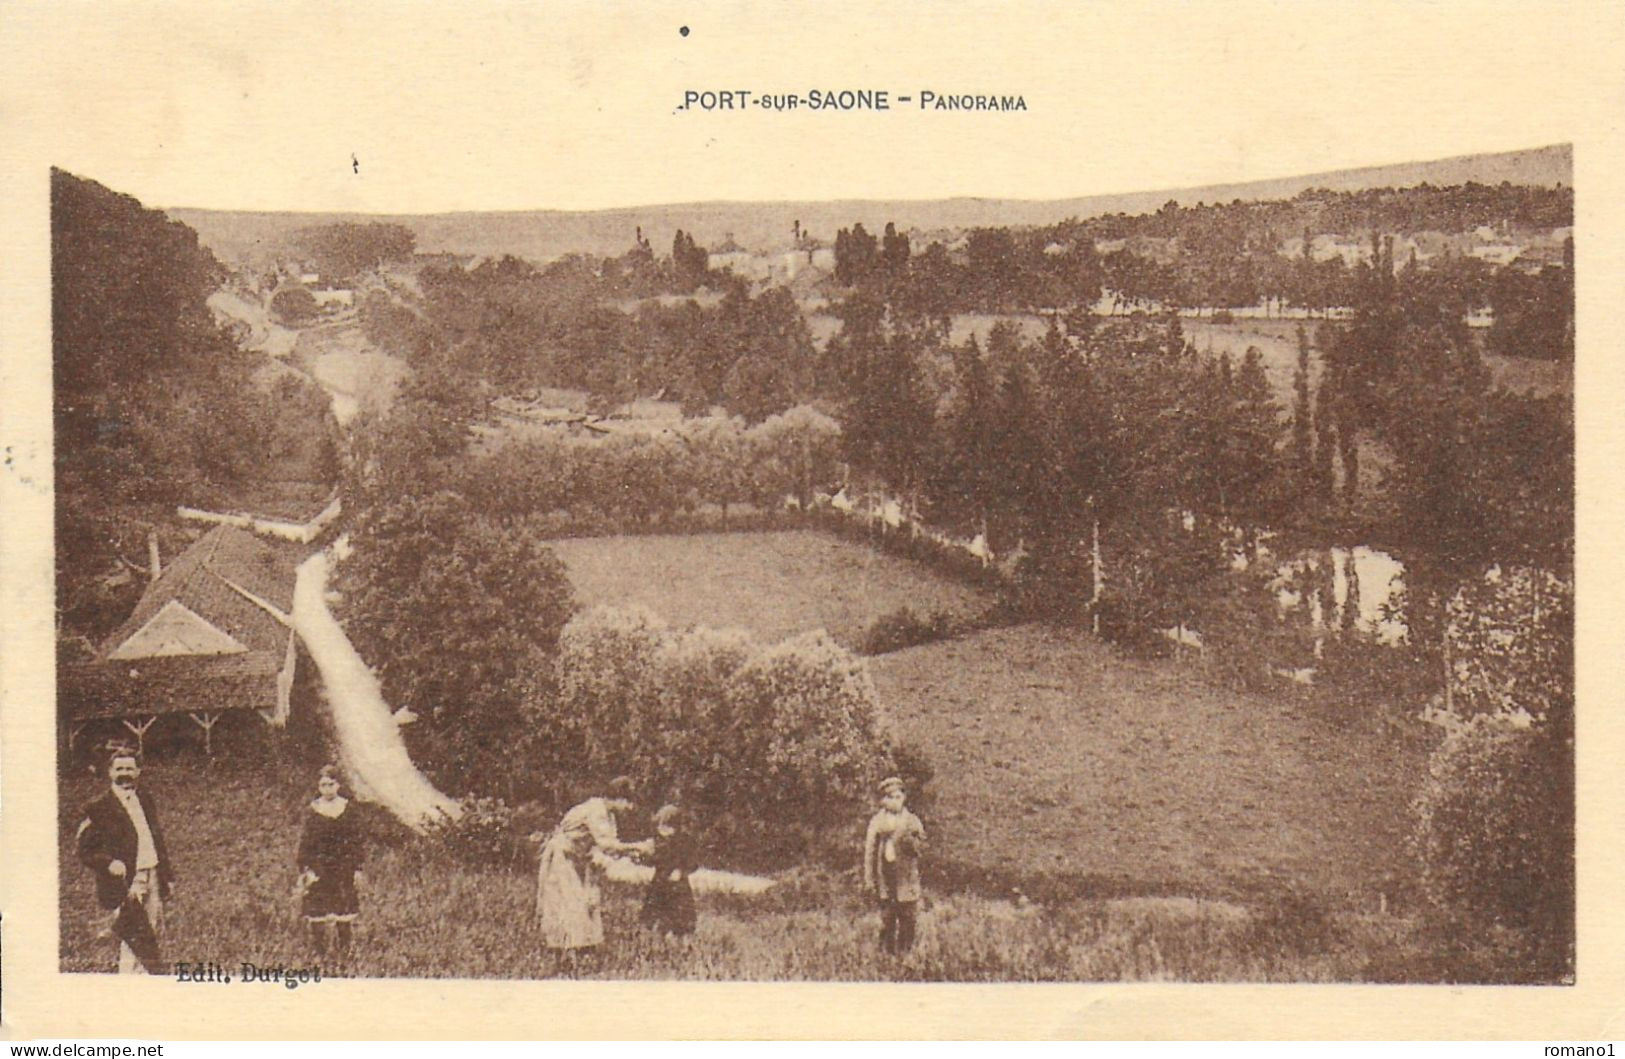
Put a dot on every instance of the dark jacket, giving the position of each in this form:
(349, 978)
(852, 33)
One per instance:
(107, 834)
(669, 904)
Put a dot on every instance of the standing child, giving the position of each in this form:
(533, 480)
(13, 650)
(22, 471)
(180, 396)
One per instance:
(330, 851)
(669, 905)
(891, 866)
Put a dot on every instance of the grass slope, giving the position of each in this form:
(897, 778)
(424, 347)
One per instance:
(238, 236)
(1056, 756)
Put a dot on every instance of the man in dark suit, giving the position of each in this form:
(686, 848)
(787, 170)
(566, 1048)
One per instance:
(122, 844)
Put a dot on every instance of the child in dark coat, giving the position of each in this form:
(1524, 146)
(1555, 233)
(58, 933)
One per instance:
(669, 905)
(330, 852)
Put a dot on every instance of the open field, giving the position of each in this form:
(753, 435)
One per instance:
(1054, 755)
(232, 827)
(772, 585)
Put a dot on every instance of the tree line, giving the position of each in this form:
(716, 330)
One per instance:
(154, 403)
(512, 326)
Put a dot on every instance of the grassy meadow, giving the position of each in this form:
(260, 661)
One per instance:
(772, 584)
(1091, 817)
(1058, 762)
(1057, 757)
(232, 827)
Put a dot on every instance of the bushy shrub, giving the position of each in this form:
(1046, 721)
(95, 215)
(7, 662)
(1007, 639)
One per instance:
(295, 305)
(903, 628)
(793, 732)
(808, 720)
(694, 744)
(1495, 835)
(910, 764)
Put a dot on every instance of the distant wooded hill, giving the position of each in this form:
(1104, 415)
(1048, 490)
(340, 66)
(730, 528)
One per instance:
(242, 237)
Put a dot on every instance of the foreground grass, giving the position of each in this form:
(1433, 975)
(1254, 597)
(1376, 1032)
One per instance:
(233, 829)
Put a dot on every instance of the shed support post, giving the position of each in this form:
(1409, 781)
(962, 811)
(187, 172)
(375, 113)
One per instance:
(139, 729)
(206, 721)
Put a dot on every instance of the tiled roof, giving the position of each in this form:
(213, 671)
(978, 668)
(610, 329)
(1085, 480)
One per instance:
(201, 578)
(170, 684)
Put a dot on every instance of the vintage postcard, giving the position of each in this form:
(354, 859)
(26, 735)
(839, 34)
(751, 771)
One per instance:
(731, 520)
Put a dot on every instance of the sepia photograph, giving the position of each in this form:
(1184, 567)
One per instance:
(999, 592)
(895, 580)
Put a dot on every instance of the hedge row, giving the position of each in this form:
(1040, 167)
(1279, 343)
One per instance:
(658, 477)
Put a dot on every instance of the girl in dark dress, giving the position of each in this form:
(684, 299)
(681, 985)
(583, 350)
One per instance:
(669, 905)
(329, 856)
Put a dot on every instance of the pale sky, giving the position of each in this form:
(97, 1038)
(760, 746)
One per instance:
(530, 105)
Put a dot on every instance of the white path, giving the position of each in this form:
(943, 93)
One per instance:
(370, 746)
(704, 880)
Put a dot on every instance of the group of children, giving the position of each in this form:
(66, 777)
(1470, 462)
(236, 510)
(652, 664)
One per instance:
(892, 846)
(330, 856)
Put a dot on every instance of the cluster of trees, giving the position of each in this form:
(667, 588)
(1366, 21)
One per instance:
(640, 273)
(154, 405)
(1534, 314)
(1092, 432)
(1071, 448)
(1479, 475)
(860, 259)
(340, 253)
(295, 306)
(1425, 207)
(1219, 256)
(644, 480)
(512, 326)
(690, 263)
(999, 270)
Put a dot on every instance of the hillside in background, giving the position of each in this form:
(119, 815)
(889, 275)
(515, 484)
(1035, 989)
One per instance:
(243, 237)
